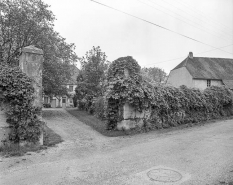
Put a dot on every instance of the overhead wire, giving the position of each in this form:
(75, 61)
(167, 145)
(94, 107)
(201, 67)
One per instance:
(196, 17)
(189, 22)
(195, 10)
(185, 56)
(158, 26)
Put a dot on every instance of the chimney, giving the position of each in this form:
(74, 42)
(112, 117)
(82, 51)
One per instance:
(191, 55)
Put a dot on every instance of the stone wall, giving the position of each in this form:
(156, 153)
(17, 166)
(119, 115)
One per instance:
(132, 117)
(4, 126)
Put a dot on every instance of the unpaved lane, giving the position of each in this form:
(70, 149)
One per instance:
(202, 155)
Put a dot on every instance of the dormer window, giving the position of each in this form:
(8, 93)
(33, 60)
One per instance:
(208, 83)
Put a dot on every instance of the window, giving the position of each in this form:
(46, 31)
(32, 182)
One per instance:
(208, 83)
(46, 100)
(71, 88)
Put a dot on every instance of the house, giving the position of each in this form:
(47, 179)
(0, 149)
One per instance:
(66, 101)
(202, 72)
(71, 85)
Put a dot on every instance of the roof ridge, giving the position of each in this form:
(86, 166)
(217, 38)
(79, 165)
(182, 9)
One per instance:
(214, 58)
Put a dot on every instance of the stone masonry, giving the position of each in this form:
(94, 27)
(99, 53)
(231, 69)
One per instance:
(31, 62)
(131, 117)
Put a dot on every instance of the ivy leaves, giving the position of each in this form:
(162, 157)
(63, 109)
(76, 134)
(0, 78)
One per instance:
(169, 106)
(17, 95)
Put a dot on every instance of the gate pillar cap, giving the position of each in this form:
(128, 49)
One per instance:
(32, 49)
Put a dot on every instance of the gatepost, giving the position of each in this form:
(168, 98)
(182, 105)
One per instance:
(31, 62)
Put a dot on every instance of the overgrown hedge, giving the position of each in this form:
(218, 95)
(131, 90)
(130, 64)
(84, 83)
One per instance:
(169, 106)
(16, 97)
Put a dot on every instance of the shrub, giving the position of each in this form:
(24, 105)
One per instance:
(46, 105)
(100, 108)
(81, 104)
(17, 95)
(75, 101)
(169, 106)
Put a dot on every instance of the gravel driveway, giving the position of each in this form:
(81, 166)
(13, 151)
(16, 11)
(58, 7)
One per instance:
(196, 155)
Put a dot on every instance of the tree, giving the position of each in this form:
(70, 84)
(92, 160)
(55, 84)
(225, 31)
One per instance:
(154, 74)
(60, 91)
(91, 79)
(29, 22)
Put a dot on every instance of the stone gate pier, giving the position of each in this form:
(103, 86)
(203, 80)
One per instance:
(31, 62)
(4, 126)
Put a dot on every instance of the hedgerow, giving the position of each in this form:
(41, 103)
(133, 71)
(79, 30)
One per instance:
(16, 97)
(100, 107)
(168, 106)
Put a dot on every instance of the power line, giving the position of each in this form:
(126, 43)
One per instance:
(187, 22)
(185, 56)
(157, 25)
(196, 17)
(195, 10)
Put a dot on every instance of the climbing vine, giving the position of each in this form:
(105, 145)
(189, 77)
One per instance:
(16, 98)
(169, 106)
(124, 85)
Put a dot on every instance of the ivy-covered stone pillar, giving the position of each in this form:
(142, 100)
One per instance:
(31, 62)
(4, 127)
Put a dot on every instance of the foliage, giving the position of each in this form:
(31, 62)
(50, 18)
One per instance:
(59, 91)
(46, 105)
(100, 107)
(168, 106)
(124, 85)
(153, 74)
(17, 97)
(75, 100)
(30, 22)
(90, 81)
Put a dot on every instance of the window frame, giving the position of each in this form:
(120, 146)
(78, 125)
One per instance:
(70, 88)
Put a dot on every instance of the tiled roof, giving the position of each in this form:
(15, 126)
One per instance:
(228, 83)
(208, 68)
(75, 72)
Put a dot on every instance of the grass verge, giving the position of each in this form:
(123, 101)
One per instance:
(14, 149)
(95, 123)
(100, 126)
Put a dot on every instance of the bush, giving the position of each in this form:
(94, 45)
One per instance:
(46, 105)
(169, 106)
(75, 101)
(17, 96)
(81, 104)
(100, 108)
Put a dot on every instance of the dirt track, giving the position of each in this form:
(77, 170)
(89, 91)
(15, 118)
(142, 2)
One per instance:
(202, 155)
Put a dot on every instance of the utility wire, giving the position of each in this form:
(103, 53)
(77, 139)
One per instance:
(195, 10)
(158, 26)
(185, 56)
(196, 17)
(187, 22)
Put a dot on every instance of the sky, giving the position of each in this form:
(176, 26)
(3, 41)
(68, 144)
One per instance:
(162, 35)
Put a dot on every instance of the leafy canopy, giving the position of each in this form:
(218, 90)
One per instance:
(92, 74)
(154, 74)
(30, 22)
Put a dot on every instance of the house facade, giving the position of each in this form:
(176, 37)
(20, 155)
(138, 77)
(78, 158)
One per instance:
(65, 101)
(202, 72)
